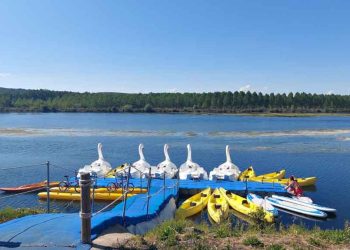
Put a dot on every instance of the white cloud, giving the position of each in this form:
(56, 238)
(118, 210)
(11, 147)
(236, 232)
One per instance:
(330, 92)
(245, 88)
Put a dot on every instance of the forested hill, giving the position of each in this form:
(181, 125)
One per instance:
(20, 100)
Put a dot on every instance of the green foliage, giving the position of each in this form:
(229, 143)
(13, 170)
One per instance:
(253, 241)
(202, 246)
(223, 230)
(167, 231)
(8, 213)
(148, 108)
(334, 236)
(275, 247)
(314, 242)
(236, 102)
(260, 223)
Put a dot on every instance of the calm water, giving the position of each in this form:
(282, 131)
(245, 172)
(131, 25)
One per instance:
(315, 146)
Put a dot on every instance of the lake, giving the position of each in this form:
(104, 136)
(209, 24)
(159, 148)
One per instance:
(305, 146)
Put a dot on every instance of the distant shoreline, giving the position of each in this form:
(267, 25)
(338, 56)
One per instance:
(238, 103)
(262, 114)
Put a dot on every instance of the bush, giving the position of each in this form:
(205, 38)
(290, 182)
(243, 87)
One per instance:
(168, 230)
(223, 230)
(275, 247)
(253, 241)
(148, 108)
(127, 108)
(315, 242)
(259, 219)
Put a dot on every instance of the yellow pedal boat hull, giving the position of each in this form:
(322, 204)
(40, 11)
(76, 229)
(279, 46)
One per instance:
(98, 190)
(76, 196)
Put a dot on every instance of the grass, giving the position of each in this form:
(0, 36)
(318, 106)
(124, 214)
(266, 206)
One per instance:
(9, 213)
(275, 247)
(186, 234)
(253, 241)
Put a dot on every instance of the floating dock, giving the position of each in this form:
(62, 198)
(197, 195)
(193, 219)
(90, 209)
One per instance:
(196, 185)
(62, 231)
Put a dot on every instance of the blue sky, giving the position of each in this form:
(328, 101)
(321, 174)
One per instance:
(157, 46)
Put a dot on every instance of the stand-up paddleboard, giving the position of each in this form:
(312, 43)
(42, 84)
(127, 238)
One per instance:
(261, 202)
(303, 199)
(305, 204)
(296, 207)
(302, 216)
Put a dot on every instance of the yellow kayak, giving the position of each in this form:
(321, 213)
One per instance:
(76, 196)
(246, 174)
(111, 173)
(274, 175)
(194, 204)
(249, 173)
(99, 190)
(309, 181)
(217, 206)
(241, 205)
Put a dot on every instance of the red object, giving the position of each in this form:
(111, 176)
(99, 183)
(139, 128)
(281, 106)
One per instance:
(28, 187)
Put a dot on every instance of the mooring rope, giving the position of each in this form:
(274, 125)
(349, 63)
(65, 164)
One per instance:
(107, 206)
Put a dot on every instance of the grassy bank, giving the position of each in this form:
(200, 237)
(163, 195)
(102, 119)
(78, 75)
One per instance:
(9, 213)
(180, 234)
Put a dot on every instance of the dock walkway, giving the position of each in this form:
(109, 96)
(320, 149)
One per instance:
(60, 231)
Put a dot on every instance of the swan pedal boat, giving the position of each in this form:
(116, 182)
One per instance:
(100, 167)
(166, 167)
(191, 170)
(99, 190)
(243, 206)
(217, 206)
(193, 205)
(226, 171)
(76, 196)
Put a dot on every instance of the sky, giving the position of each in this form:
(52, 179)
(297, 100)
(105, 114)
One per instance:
(176, 46)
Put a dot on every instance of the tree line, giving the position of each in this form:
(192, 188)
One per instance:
(21, 100)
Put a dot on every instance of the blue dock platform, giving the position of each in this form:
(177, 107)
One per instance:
(62, 231)
(197, 185)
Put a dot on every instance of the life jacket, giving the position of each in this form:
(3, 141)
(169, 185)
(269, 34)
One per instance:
(296, 188)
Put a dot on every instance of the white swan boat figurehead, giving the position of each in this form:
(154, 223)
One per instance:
(166, 166)
(190, 169)
(99, 167)
(141, 167)
(226, 171)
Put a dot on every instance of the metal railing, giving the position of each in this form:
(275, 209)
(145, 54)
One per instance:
(92, 184)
